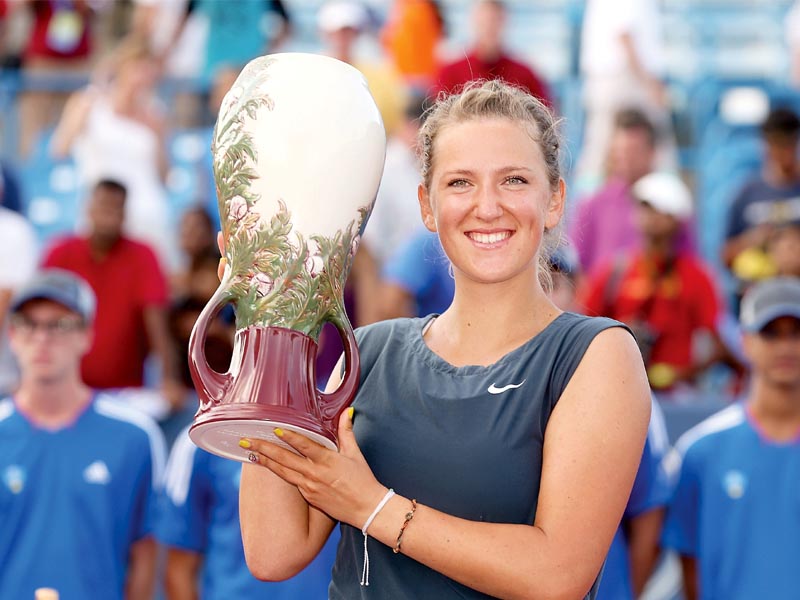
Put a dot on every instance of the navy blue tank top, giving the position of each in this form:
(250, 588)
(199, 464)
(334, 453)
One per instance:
(464, 440)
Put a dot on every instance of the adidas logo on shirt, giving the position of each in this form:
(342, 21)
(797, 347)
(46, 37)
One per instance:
(97, 472)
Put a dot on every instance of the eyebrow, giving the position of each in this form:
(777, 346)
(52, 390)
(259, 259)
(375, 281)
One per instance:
(501, 171)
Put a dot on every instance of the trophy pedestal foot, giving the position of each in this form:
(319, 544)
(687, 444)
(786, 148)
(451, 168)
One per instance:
(222, 437)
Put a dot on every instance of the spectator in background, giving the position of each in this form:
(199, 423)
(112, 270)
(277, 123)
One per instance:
(197, 240)
(341, 23)
(199, 526)
(488, 59)
(131, 297)
(395, 217)
(768, 200)
(417, 281)
(635, 547)
(19, 255)
(734, 517)
(116, 129)
(604, 224)
(411, 35)
(78, 470)
(665, 295)
(60, 43)
(622, 64)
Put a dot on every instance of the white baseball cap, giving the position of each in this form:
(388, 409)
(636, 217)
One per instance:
(339, 14)
(666, 193)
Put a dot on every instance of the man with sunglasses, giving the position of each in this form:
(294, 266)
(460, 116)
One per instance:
(734, 517)
(77, 469)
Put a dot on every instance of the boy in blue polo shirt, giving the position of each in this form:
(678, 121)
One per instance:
(77, 470)
(735, 514)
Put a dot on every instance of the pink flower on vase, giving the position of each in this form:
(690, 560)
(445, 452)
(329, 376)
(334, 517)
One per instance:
(237, 208)
(354, 245)
(313, 263)
(263, 283)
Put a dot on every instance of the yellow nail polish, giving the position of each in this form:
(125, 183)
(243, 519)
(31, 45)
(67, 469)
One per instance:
(244, 443)
(278, 431)
(350, 412)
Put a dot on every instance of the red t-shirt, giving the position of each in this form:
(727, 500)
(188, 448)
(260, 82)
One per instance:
(60, 29)
(684, 301)
(126, 282)
(454, 75)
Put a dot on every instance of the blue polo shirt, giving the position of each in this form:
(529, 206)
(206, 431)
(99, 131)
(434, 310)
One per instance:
(73, 500)
(199, 512)
(736, 508)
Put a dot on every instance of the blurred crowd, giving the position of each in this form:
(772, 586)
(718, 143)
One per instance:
(634, 242)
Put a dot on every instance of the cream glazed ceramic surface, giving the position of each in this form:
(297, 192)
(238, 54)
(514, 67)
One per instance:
(298, 154)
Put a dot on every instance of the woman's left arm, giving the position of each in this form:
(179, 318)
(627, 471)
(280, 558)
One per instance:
(592, 447)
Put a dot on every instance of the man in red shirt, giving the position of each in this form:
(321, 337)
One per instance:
(667, 296)
(131, 297)
(487, 59)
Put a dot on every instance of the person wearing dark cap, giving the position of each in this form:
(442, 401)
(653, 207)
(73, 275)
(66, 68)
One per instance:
(734, 517)
(768, 200)
(78, 470)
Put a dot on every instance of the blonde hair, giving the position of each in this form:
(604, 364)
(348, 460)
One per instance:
(490, 100)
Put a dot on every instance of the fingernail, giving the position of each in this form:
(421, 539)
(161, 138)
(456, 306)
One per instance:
(244, 443)
(350, 412)
(278, 431)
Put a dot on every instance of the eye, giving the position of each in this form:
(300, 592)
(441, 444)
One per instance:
(457, 183)
(516, 180)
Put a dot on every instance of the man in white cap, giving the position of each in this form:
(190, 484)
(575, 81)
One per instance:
(734, 517)
(667, 296)
(341, 24)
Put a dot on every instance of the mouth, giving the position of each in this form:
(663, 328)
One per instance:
(489, 238)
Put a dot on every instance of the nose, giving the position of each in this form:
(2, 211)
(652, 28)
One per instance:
(487, 204)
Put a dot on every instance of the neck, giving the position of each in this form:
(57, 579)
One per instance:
(101, 245)
(776, 410)
(486, 322)
(658, 247)
(52, 404)
(488, 53)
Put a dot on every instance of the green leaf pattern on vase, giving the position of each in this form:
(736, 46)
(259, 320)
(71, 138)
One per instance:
(276, 276)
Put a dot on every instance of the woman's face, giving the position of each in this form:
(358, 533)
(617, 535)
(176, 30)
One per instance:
(490, 199)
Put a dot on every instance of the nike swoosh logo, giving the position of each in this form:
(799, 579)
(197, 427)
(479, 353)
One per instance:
(492, 389)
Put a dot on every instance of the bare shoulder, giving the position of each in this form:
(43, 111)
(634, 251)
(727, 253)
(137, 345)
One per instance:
(611, 377)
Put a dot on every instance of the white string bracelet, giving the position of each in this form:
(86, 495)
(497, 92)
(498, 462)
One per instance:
(367, 523)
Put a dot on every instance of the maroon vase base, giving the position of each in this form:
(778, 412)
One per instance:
(221, 435)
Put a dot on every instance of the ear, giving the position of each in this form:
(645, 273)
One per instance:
(425, 208)
(555, 208)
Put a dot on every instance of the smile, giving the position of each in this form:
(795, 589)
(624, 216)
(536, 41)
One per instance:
(488, 238)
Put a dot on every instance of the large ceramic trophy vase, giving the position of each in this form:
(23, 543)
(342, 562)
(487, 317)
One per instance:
(298, 155)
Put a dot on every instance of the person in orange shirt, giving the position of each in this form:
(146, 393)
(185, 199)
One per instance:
(410, 36)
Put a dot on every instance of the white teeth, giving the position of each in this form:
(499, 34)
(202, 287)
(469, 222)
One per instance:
(489, 238)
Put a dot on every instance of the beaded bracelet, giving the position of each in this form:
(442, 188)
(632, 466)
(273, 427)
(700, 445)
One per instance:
(409, 516)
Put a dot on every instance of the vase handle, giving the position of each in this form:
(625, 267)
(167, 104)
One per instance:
(333, 404)
(211, 385)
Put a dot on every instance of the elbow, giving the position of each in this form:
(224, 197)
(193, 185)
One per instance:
(267, 566)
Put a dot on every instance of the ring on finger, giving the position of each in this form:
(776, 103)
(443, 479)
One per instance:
(252, 457)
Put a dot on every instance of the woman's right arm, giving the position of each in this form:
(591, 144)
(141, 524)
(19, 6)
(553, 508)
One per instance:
(279, 528)
(72, 122)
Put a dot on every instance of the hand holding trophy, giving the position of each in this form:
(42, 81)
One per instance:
(298, 155)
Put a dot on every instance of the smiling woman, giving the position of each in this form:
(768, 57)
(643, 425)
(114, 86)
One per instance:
(491, 449)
